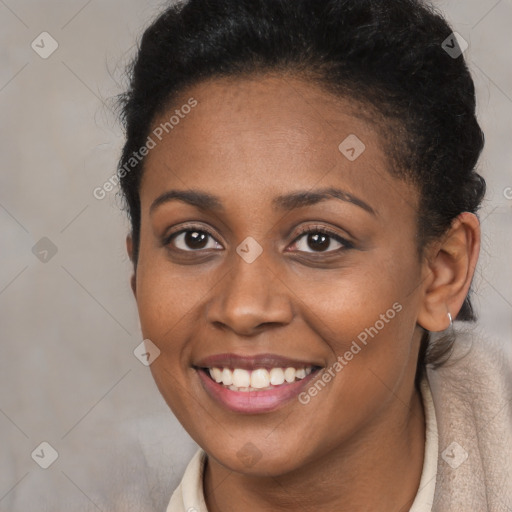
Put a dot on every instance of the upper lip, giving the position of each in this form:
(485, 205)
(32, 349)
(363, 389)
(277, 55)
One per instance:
(252, 362)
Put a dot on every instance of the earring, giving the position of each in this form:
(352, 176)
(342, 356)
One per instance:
(451, 321)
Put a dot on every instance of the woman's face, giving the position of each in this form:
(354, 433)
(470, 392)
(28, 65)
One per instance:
(271, 272)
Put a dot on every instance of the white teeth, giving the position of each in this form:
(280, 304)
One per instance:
(289, 374)
(300, 374)
(227, 377)
(216, 374)
(260, 378)
(276, 376)
(240, 379)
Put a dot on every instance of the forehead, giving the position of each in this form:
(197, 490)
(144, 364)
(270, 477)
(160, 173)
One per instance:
(250, 138)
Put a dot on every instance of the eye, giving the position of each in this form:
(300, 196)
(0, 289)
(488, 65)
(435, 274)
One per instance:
(319, 239)
(192, 239)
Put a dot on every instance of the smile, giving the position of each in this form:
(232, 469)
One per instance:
(254, 384)
(256, 391)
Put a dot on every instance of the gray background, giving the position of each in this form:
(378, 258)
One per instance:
(69, 325)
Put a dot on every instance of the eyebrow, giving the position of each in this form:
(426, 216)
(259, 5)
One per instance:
(298, 199)
(306, 198)
(196, 198)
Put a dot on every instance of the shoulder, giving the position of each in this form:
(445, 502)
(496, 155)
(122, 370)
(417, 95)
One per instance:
(474, 387)
(479, 366)
(472, 396)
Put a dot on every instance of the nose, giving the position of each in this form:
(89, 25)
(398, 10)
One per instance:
(250, 297)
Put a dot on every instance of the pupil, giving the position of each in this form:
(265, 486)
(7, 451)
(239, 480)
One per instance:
(313, 240)
(195, 239)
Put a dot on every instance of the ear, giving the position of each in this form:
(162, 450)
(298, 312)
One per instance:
(129, 249)
(448, 271)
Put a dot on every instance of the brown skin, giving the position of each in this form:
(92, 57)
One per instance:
(359, 444)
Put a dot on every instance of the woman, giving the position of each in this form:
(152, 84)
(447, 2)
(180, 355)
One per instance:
(300, 179)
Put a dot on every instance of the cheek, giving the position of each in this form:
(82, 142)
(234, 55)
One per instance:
(347, 303)
(357, 302)
(166, 302)
(168, 295)
(367, 320)
(366, 315)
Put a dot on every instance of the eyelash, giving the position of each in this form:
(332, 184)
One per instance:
(303, 231)
(325, 231)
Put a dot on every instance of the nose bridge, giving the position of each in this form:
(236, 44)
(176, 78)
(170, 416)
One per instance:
(250, 294)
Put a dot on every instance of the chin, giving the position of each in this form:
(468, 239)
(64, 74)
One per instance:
(252, 461)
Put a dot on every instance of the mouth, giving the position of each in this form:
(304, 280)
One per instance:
(254, 385)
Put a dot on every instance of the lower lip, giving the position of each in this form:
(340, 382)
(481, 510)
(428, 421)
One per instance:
(253, 402)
